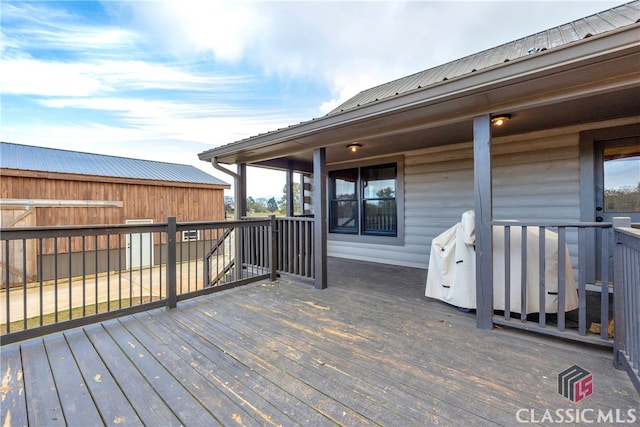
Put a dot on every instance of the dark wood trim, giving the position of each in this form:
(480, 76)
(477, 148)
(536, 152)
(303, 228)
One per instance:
(484, 218)
(320, 217)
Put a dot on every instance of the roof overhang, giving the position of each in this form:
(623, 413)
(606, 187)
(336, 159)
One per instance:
(592, 79)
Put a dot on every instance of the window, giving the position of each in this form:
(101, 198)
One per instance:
(190, 235)
(622, 179)
(363, 200)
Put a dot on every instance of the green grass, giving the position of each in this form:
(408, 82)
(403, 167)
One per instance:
(77, 312)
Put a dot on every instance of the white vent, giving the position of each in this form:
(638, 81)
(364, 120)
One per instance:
(190, 235)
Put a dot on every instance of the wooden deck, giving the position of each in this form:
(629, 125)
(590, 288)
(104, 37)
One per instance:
(369, 350)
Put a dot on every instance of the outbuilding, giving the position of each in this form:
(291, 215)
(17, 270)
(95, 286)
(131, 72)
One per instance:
(51, 187)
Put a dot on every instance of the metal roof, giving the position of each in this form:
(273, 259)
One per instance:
(41, 159)
(598, 23)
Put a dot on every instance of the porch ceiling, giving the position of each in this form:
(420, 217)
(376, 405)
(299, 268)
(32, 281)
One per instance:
(592, 80)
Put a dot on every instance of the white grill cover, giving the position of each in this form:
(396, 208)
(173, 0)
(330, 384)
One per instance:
(451, 274)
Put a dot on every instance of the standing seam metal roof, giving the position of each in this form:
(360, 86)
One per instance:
(41, 159)
(598, 23)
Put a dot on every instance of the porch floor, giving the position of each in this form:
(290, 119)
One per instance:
(368, 350)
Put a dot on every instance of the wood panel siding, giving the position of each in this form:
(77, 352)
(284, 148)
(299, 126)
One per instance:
(535, 177)
(141, 200)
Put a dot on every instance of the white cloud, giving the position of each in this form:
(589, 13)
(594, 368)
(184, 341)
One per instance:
(34, 77)
(166, 80)
(351, 46)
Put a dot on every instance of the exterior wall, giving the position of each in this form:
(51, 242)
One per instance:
(534, 178)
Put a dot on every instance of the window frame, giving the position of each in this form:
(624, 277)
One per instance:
(396, 239)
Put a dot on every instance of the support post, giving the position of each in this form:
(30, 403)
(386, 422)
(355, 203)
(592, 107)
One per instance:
(484, 218)
(241, 192)
(290, 201)
(240, 212)
(320, 217)
(172, 298)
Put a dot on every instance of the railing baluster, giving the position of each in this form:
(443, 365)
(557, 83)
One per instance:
(523, 275)
(507, 272)
(542, 300)
(604, 285)
(70, 277)
(151, 260)
(7, 275)
(95, 272)
(24, 284)
(40, 280)
(108, 275)
(55, 278)
(562, 275)
(582, 278)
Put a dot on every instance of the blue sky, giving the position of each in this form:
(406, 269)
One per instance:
(165, 80)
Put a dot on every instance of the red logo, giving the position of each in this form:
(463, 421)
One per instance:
(575, 383)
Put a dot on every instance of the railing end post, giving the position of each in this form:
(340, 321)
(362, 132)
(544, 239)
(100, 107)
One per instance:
(621, 222)
(172, 229)
(274, 248)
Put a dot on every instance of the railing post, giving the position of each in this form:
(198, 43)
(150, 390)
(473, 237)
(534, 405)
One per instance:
(274, 248)
(172, 298)
(618, 293)
(484, 220)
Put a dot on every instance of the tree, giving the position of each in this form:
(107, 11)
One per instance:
(296, 198)
(256, 206)
(272, 205)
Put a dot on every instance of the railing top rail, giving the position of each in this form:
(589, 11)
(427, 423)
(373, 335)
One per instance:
(550, 223)
(78, 230)
(200, 225)
(14, 233)
(295, 218)
(629, 237)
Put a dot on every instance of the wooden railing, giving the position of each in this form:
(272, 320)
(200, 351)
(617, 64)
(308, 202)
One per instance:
(295, 246)
(54, 278)
(553, 295)
(627, 302)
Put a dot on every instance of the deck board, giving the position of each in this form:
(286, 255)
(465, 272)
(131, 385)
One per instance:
(368, 350)
(161, 376)
(144, 399)
(43, 403)
(113, 404)
(74, 396)
(14, 404)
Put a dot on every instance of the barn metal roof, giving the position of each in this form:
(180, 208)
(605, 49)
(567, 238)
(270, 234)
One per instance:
(41, 159)
(598, 23)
